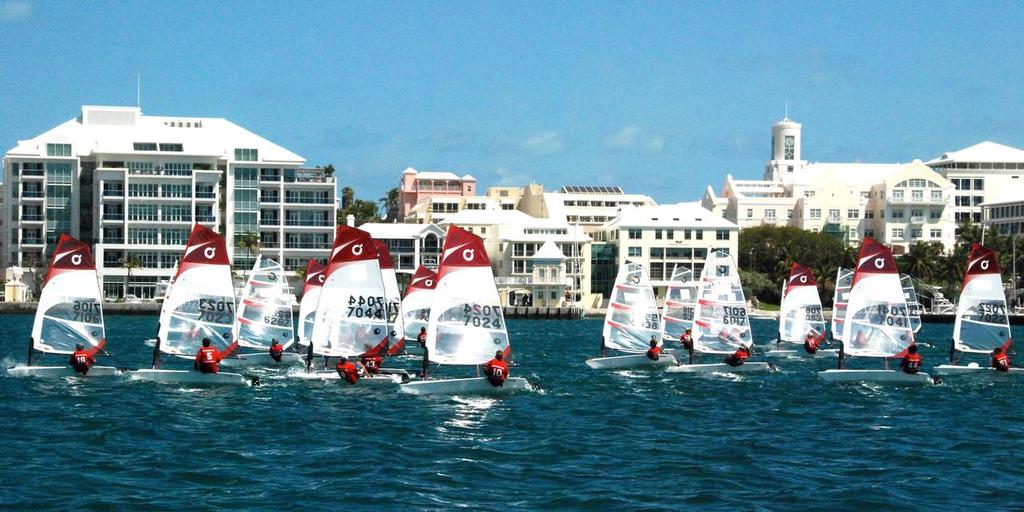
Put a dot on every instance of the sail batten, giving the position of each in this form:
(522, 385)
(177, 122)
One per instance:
(265, 311)
(877, 319)
(800, 312)
(981, 322)
(632, 317)
(70, 308)
(840, 301)
(316, 274)
(721, 315)
(419, 296)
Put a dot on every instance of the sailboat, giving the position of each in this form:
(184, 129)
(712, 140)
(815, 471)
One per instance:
(315, 276)
(844, 281)
(800, 313)
(265, 314)
(913, 305)
(351, 316)
(199, 304)
(416, 304)
(631, 322)
(677, 313)
(466, 325)
(721, 320)
(70, 312)
(393, 298)
(981, 323)
(877, 324)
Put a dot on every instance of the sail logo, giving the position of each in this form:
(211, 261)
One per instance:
(635, 278)
(468, 254)
(210, 252)
(879, 263)
(206, 251)
(61, 256)
(722, 270)
(803, 279)
(76, 260)
(339, 248)
(449, 252)
(357, 250)
(983, 265)
(320, 278)
(429, 282)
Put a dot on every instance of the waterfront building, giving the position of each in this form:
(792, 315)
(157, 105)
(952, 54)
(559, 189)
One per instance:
(416, 187)
(660, 237)
(434, 210)
(410, 245)
(980, 174)
(1005, 214)
(589, 207)
(133, 185)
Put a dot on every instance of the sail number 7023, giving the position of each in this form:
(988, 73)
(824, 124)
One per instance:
(216, 311)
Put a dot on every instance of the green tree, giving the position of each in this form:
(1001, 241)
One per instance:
(347, 197)
(130, 261)
(328, 169)
(248, 241)
(389, 204)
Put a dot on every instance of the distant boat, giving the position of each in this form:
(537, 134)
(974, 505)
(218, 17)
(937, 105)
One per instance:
(393, 298)
(416, 305)
(265, 314)
(844, 281)
(721, 322)
(877, 323)
(466, 325)
(680, 302)
(70, 312)
(981, 323)
(631, 321)
(316, 273)
(913, 304)
(199, 304)
(800, 311)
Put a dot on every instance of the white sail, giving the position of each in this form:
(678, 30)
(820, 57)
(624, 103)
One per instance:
(632, 317)
(350, 315)
(396, 320)
(466, 324)
(913, 305)
(418, 298)
(844, 280)
(201, 300)
(981, 322)
(800, 311)
(265, 310)
(721, 323)
(680, 302)
(316, 274)
(70, 309)
(877, 323)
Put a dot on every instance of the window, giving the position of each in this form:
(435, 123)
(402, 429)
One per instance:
(687, 234)
(142, 236)
(815, 213)
(722, 234)
(769, 214)
(177, 213)
(833, 215)
(634, 234)
(917, 213)
(790, 148)
(979, 183)
(897, 233)
(657, 234)
(897, 214)
(853, 213)
(870, 233)
(164, 146)
(144, 146)
(935, 233)
(869, 214)
(142, 212)
(789, 213)
(897, 195)
(916, 233)
(917, 195)
(934, 214)
(750, 213)
(670, 234)
(246, 154)
(808, 193)
(142, 189)
(635, 252)
(976, 200)
(58, 150)
(177, 190)
(699, 235)
(937, 196)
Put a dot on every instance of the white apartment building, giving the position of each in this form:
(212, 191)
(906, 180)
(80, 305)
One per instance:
(134, 185)
(587, 206)
(1006, 214)
(410, 245)
(846, 200)
(980, 174)
(660, 238)
(514, 241)
(437, 209)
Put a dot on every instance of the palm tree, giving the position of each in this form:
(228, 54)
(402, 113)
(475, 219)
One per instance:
(328, 169)
(389, 204)
(248, 241)
(129, 262)
(348, 196)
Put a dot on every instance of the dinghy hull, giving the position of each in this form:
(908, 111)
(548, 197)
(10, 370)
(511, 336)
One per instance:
(473, 386)
(61, 371)
(755, 367)
(630, 361)
(881, 376)
(263, 360)
(980, 371)
(334, 378)
(189, 377)
(831, 352)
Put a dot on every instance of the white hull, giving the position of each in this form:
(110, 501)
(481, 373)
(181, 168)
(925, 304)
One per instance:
(630, 361)
(980, 371)
(755, 367)
(884, 376)
(473, 386)
(61, 371)
(333, 377)
(189, 377)
(782, 352)
(263, 359)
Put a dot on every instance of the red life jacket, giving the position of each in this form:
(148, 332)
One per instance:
(421, 338)
(686, 340)
(811, 344)
(348, 371)
(207, 358)
(741, 354)
(275, 352)
(496, 370)
(372, 363)
(654, 353)
(82, 360)
(1001, 363)
(911, 363)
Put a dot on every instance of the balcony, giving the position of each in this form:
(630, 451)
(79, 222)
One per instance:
(205, 218)
(313, 223)
(306, 245)
(295, 199)
(33, 173)
(270, 198)
(206, 195)
(917, 219)
(32, 194)
(31, 241)
(769, 221)
(924, 200)
(32, 217)
(114, 217)
(308, 176)
(270, 222)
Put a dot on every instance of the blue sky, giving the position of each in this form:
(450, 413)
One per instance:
(662, 98)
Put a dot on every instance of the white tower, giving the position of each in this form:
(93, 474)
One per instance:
(785, 150)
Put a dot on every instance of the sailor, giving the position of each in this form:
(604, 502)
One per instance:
(496, 370)
(207, 358)
(686, 340)
(739, 357)
(654, 353)
(812, 342)
(276, 350)
(911, 362)
(1000, 361)
(421, 338)
(371, 359)
(347, 370)
(81, 360)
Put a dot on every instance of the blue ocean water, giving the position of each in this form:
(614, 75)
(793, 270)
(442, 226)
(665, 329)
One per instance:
(600, 440)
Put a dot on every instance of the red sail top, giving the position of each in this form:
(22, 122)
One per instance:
(423, 279)
(316, 274)
(70, 254)
(350, 244)
(874, 258)
(981, 261)
(205, 247)
(800, 275)
(462, 249)
(383, 254)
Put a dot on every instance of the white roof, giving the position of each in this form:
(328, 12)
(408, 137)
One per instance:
(690, 214)
(113, 130)
(516, 224)
(987, 151)
(437, 175)
(849, 174)
(399, 231)
(549, 251)
(556, 208)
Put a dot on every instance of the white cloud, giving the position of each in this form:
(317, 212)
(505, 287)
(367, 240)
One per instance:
(635, 138)
(544, 143)
(507, 178)
(15, 10)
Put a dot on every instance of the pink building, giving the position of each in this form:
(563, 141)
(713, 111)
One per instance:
(416, 186)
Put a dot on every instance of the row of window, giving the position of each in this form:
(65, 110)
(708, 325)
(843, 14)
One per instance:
(153, 146)
(968, 183)
(62, 150)
(1005, 212)
(674, 253)
(968, 200)
(670, 234)
(899, 233)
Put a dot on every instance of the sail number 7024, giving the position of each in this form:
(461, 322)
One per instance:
(482, 316)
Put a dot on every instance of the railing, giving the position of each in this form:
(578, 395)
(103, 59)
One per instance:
(270, 198)
(269, 245)
(33, 193)
(160, 172)
(206, 195)
(113, 240)
(205, 218)
(113, 216)
(917, 219)
(113, 193)
(33, 172)
(32, 217)
(270, 222)
(513, 281)
(308, 222)
(307, 200)
(31, 241)
(305, 245)
(270, 177)
(918, 200)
